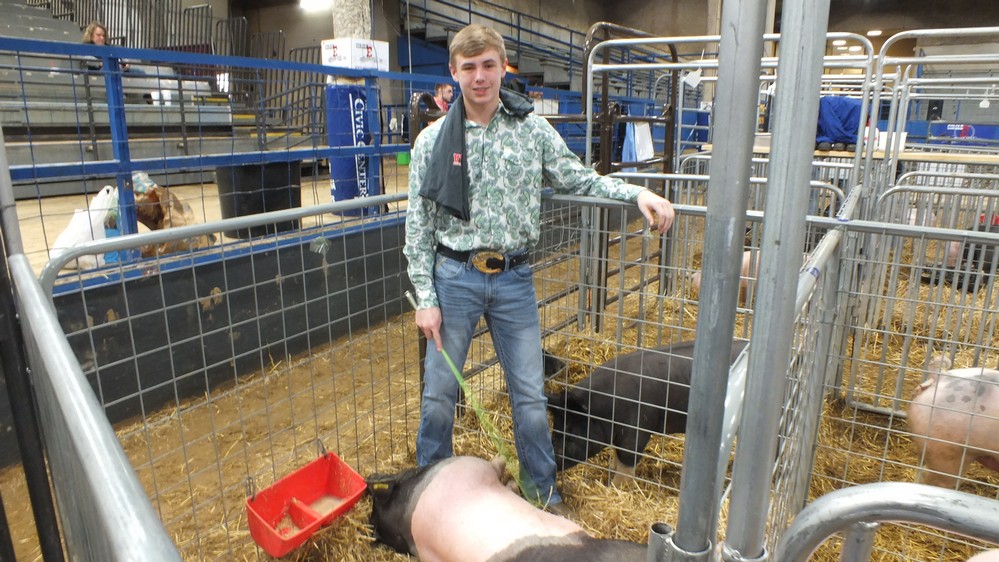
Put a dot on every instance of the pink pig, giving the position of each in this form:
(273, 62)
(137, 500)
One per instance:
(954, 419)
(750, 270)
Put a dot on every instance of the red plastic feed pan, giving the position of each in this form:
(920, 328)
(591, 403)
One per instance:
(286, 514)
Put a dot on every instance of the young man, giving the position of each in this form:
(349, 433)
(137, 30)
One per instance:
(442, 95)
(475, 186)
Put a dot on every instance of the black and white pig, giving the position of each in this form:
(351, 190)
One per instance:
(954, 418)
(459, 510)
(622, 403)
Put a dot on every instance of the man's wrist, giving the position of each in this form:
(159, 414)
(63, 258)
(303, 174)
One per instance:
(426, 301)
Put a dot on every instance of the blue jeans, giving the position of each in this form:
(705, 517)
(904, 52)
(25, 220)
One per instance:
(510, 306)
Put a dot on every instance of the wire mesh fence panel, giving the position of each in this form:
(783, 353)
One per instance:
(106, 514)
(221, 374)
(803, 401)
(919, 293)
(225, 374)
(609, 367)
(930, 292)
(904, 309)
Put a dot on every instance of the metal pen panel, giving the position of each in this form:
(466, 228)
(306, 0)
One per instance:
(105, 512)
(946, 510)
(798, 82)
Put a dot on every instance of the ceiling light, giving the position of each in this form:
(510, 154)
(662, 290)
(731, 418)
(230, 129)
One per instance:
(839, 42)
(316, 5)
(854, 48)
(841, 48)
(874, 33)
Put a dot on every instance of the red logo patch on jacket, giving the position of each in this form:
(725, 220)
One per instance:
(457, 159)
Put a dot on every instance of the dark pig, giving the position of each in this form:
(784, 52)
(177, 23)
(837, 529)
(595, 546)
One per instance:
(622, 403)
(954, 419)
(458, 510)
(967, 266)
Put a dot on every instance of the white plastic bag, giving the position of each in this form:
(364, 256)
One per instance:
(86, 225)
(644, 149)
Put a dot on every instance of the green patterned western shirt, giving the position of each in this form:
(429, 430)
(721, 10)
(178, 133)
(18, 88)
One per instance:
(509, 162)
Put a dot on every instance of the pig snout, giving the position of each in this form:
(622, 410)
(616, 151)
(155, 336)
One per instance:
(954, 419)
(574, 438)
(987, 556)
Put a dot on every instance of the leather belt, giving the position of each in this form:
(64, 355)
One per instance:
(486, 261)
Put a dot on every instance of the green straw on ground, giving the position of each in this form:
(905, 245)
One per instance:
(484, 422)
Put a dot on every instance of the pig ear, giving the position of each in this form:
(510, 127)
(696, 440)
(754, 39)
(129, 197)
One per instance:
(939, 364)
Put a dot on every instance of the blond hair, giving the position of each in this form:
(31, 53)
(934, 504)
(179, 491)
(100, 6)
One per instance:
(88, 34)
(473, 40)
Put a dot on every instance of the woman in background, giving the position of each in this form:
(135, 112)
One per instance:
(97, 34)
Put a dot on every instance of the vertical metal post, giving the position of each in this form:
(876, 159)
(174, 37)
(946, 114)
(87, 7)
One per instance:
(586, 219)
(858, 544)
(185, 140)
(598, 281)
(260, 107)
(868, 115)
(739, 62)
(91, 124)
(6, 544)
(609, 112)
(798, 78)
(127, 218)
(372, 93)
(15, 368)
